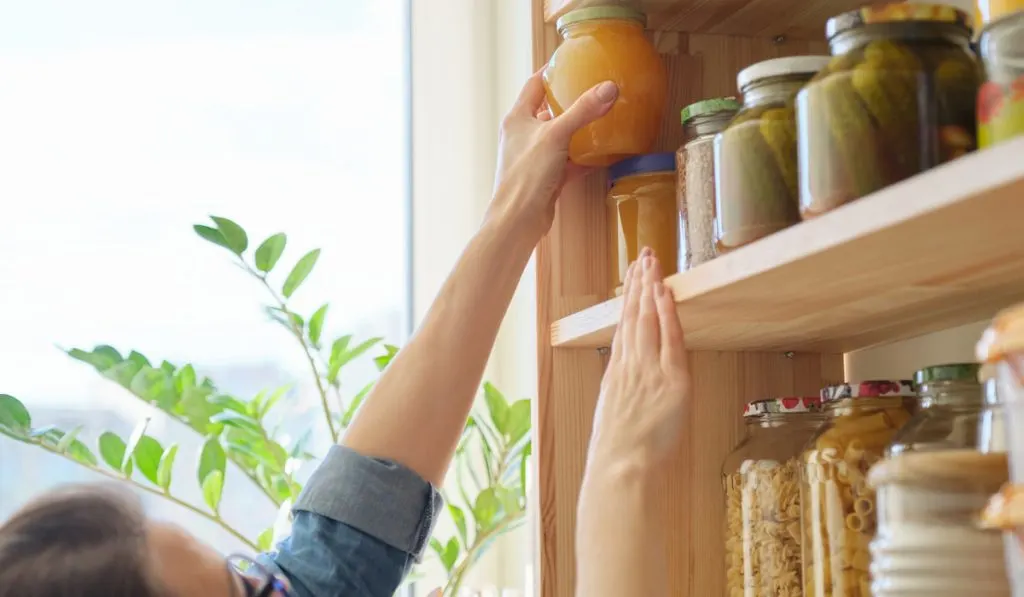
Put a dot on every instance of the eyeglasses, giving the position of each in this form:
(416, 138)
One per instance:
(257, 579)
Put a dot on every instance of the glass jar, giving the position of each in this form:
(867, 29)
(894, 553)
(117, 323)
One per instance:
(761, 478)
(755, 156)
(951, 403)
(643, 197)
(991, 424)
(695, 186)
(838, 504)
(607, 43)
(1001, 98)
(897, 99)
(990, 11)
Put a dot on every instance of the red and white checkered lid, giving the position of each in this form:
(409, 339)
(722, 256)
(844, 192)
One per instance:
(877, 388)
(786, 405)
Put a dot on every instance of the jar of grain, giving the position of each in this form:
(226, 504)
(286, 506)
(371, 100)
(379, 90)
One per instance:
(695, 187)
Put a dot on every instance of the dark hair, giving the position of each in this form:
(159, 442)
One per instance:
(78, 541)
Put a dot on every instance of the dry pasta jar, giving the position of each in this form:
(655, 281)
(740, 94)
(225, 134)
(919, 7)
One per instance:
(1001, 98)
(762, 498)
(755, 156)
(897, 99)
(643, 197)
(607, 43)
(951, 404)
(838, 504)
(695, 188)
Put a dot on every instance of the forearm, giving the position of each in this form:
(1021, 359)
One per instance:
(619, 541)
(416, 412)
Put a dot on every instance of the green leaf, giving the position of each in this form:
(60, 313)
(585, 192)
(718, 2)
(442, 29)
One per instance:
(185, 378)
(270, 251)
(196, 408)
(460, 521)
(239, 420)
(272, 400)
(139, 359)
(80, 452)
(341, 355)
(265, 539)
(227, 402)
(102, 357)
(169, 368)
(524, 460)
(211, 460)
(299, 273)
(155, 386)
(509, 500)
(316, 325)
(438, 547)
(212, 235)
(147, 456)
(497, 407)
(14, 415)
(451, 553)
(166, 467)
(486, 508)
(518, 420)
(133, 441)
(123, 372)
(213, 490)
(112, 451)
(65, 442)
(233, 234)
(353, 407)
(384, 360)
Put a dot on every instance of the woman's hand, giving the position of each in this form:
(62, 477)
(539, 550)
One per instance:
(533, 153)
(642, 409)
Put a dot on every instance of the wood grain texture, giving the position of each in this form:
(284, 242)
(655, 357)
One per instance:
(938, 250)
(794, 19)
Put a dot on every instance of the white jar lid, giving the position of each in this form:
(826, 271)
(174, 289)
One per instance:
(780, 67)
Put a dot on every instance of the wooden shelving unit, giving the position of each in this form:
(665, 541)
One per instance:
(771, 319)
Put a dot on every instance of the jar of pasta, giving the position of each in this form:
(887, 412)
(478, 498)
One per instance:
(695, 187)
(897, 99)
(951, 403)
(607, 43)
(755, 156)
(762, 498)
(1001, 98)
(642, 213)
(838, 504)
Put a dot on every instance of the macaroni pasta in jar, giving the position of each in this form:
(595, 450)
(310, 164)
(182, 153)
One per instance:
(762, 498)
(839, 515)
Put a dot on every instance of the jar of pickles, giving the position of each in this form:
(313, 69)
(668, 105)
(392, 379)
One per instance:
(695, 187)
(607, 43)
(897, 98)
(642, 213)
(761, 478)
(1001, 99)
(755, 156)
(839, 513)
(951, 404)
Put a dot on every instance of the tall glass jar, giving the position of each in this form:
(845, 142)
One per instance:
(695, 186)
(839, 514)
(762, 497)
(951, 404)
(992, 423)
(1001, 98)
(755, 156)
(897, 99)
(607, 43)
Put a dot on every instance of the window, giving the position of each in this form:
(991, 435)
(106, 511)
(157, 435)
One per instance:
(124, 123)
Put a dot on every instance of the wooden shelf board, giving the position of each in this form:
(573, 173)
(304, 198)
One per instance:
(940, 249)
(797, 19)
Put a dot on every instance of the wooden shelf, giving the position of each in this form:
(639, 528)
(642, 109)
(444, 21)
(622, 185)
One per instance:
(940, 249)
(796, 19)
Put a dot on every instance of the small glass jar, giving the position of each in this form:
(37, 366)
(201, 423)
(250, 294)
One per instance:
(991, 423)
(897, 99)
(695, 186)
(951, 404)
(607, 43)
(761, 478)
(755, 156)
(1001, 98)
(642, 213)
(839, 514)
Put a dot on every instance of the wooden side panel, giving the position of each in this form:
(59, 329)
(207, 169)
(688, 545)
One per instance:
(572, 275)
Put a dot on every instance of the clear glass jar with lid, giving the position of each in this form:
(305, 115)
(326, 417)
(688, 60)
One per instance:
(756, 155)
(695, 188)
(951, 404)
(762, 497)
(991, 425)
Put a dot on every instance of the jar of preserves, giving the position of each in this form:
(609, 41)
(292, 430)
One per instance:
(607, 43)
(897, 99)
(643, 197)
(695, 186)
(1001, 98)
(755, 156)
(951, 404)
(839, 513)
(761, 478)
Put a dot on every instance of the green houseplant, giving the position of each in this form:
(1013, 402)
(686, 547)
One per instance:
(486, 499)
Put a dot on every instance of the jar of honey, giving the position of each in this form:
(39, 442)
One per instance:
(642, 213)
(607, 43)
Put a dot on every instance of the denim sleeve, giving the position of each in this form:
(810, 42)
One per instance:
(358, 526)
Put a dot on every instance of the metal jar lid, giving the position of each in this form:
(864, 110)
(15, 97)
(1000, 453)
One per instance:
(626, 13)
(781, 67)
(708, 107)
(786, 405)
(876, 388)
(947, 372)
(901, 12)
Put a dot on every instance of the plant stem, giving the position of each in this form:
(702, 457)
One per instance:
(457, 576)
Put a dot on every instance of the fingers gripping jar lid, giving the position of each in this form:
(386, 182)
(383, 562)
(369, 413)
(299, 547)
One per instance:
(600, 12)
(780, 67)
(786, 405)
(879, 388)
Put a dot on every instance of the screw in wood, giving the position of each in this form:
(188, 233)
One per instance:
(779, 39)
(789, 354)
(604, 350)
